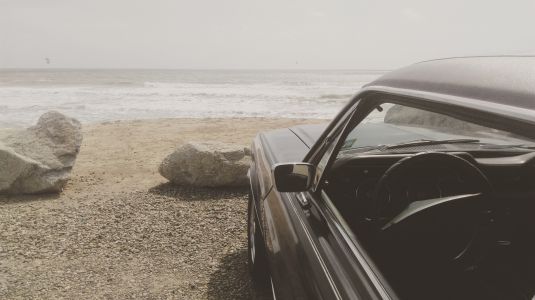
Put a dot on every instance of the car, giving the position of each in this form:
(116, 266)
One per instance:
(421, 187)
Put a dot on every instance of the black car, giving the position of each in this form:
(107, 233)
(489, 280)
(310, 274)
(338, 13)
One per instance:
(422, 187)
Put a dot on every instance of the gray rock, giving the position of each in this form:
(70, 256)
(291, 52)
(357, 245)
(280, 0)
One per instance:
(207, 164)
(40, 158)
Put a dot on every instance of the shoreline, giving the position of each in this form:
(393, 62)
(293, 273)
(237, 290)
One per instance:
(149, 120)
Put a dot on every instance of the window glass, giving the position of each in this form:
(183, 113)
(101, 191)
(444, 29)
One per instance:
(390, 126)
(322, 163)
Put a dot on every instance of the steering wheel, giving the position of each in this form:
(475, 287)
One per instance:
(443, 226)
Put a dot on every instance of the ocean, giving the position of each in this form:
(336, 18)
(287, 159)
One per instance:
(108, 95)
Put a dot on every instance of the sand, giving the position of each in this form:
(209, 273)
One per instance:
(120, 156)
(120, 231)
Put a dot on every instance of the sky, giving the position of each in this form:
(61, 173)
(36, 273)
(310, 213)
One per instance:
(258, 34)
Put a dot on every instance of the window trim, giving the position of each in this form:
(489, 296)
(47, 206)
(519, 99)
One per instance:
(364, 103)
(359, 110)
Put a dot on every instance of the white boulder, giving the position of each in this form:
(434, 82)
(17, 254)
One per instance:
(207, 164)
(40, 158)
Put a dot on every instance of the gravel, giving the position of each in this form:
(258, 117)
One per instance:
(165, 243)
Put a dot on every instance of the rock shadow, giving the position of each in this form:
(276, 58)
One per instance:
(231, 280)
(17, 199)
(189, 193)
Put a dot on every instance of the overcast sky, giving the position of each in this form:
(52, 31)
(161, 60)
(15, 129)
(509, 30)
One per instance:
(352, 34)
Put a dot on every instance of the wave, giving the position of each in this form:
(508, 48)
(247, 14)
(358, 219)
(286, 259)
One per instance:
(155, 84)
(336, 96)
(297, 83)
(158, 84)
(105, 96)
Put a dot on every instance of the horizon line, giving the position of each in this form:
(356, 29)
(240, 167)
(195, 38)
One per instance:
(198, 69)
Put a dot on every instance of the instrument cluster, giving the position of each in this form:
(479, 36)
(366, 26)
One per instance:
(422, 185)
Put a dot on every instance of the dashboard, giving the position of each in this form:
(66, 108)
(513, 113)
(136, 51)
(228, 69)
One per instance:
(353, 181)
(507, 206)
(357, 185)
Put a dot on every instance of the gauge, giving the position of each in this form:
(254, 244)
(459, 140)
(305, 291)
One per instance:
(365, 190)
(364, 194)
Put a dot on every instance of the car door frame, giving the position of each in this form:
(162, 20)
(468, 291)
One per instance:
(308, 256)
(323, 153)
(360, 265)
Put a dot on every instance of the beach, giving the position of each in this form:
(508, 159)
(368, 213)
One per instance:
(118, 230)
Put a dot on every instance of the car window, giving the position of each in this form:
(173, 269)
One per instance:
(390, 126)
(334, 135)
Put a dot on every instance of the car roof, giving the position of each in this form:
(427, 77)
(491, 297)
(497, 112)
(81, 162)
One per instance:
(505, 80)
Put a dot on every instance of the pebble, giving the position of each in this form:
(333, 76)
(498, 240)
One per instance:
(160, 244)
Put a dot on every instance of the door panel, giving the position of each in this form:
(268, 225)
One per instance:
(352, 270)
(297, 266)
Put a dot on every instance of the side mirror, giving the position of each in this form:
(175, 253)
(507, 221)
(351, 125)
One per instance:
(293, 177)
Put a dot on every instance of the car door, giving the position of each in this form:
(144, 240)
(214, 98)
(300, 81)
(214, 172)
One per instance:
(298, 269)
(310, 259)
(310, 256)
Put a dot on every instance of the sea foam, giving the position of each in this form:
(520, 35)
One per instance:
(107, 95)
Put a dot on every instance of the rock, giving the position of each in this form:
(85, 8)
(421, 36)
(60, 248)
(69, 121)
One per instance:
(40, 158)
(207, 164)
(403, 115)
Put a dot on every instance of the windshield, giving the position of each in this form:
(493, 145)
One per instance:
(394, 126)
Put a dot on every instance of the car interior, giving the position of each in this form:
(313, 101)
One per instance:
(448, 219)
